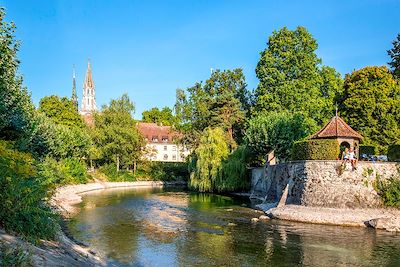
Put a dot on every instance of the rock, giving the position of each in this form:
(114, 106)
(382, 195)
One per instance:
(390, 224)
(254, 220)
(231, 224)
(229, 209)
(263, 217)
(258, 211)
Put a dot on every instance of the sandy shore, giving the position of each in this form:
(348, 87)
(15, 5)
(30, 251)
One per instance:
(387, 219)
(64, 251)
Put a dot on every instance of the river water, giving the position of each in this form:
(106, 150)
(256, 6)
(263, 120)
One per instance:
(166, 227)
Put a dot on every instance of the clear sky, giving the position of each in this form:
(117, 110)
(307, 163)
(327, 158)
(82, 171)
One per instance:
(150, 48)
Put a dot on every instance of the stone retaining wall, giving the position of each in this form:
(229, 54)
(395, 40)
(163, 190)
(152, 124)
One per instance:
(318, 184)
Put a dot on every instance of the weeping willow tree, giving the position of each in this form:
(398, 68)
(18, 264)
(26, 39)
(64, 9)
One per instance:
(233, 174)
(209, 155)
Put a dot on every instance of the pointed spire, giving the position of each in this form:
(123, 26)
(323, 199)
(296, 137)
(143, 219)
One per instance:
(89, 96)
(88, 79)
(74, 95)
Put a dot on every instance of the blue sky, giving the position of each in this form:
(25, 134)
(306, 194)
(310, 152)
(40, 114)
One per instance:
(150, 48)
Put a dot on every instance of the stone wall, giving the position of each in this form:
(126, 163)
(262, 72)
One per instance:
(317, 183)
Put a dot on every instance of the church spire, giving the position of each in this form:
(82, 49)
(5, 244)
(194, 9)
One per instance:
(89, 97)
(74, 95)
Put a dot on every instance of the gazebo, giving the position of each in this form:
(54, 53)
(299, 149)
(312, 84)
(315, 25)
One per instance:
(337, 129)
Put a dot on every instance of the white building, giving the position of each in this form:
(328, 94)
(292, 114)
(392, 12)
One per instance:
(162, 143)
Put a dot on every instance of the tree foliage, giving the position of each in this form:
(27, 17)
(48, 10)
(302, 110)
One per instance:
(61, 111)
(371, 105)
(292, 78)
(394, 54)
(16, 107)
(116, 134)
(276, 131)
(206, 164)
(222, 101)
(163, 116)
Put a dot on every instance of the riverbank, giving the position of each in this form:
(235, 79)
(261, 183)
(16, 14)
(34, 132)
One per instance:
(64, 251)
(386, 219)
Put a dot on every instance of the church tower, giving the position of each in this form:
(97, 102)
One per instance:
(74, 95)
(89, 97)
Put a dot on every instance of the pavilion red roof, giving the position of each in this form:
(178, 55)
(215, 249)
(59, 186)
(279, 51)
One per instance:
(336, 127)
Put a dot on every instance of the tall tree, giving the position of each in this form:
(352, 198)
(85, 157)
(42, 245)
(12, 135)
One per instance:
(163, 116)
(116, 133)
(220, 102)
(61, 111)
(16, 108)
(209, 155)
(394, 54)
(291, 76)
(371, 104)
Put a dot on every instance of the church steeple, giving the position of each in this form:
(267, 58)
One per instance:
(74, 95)
(89, 97)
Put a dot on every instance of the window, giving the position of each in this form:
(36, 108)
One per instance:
(165, 148)
(173, 148)
(165, 157)
(174, 157)
(154, 139)
(164, 139)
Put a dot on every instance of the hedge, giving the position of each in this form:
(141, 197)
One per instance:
(316, 149)
(368, 150)
(394, 152)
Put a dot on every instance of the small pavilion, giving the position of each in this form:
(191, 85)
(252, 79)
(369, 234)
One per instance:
(337, 129)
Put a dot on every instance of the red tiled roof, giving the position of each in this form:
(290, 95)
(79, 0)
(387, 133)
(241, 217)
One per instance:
(152, 131)
(336, 128)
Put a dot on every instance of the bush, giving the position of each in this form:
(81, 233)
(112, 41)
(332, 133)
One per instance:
(110, 170)
(368, 150)
(394, 152)
(315, 149)
(66, 171)
(23, 193)
(234, 174)
(389, 190)
(149, 171)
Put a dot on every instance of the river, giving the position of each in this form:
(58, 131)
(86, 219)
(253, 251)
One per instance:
(167, 227)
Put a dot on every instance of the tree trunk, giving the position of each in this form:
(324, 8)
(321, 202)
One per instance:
(134, 167)
(117, 163)
(91, 165)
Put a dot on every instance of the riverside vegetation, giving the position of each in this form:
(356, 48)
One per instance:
(227, 126)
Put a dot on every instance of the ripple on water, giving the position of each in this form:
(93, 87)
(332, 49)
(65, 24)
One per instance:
(167, 228)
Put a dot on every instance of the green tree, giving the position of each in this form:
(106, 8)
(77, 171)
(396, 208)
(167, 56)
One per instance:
(292, 79)
(394, 54)
(208, 158)
(116, 134)
(163, 116)
(371, 105)
(16, 107)
(61, 111)
(276, 131)
(222, 101)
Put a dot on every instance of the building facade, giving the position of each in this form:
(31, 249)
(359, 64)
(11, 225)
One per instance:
(162, 143)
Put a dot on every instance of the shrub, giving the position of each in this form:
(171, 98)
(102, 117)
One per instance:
(234, 174)
(389, 190)
(66, 171)
(15, 256)
(23, 193)
(394, 152)
(110, 170)
(315, 149)
(368, 150)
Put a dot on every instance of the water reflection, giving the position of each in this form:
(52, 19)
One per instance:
(151, 227)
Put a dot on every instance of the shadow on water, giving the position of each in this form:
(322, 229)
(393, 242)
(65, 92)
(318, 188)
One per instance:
(154, 227)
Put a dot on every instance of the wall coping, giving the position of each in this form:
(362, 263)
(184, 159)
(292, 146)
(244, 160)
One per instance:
(360, 163)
